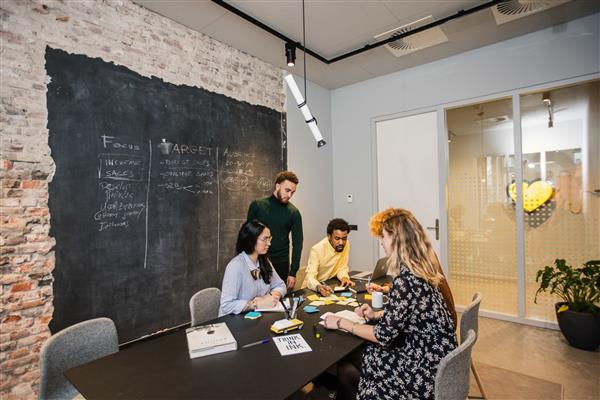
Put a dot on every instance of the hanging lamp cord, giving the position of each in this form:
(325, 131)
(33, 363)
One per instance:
(304, 47)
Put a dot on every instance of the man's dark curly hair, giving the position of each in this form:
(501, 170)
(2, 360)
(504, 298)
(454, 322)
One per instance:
(339, 224)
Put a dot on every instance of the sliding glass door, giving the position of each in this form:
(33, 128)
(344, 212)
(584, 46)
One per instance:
(491, 248)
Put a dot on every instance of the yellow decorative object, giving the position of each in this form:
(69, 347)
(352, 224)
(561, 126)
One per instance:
(562, 308)
(534, 194)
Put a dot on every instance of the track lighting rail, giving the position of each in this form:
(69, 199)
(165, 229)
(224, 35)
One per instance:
(367, 47)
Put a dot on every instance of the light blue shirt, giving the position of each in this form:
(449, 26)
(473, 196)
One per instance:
(239, 287)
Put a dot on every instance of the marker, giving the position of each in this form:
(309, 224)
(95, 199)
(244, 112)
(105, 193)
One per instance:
(294, 307)
(317, 333)
(256, 343)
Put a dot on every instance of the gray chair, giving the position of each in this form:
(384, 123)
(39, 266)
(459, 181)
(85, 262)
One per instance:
(452, 377)
(73, 346)
(204, 305)
(470, 320)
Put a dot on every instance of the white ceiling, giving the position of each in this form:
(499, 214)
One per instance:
(334, 27)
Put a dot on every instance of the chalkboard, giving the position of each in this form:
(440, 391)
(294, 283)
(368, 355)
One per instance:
(138, 229)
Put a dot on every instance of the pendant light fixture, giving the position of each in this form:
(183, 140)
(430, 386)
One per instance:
(310, 120)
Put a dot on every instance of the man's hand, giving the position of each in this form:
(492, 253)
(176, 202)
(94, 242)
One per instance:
(347, 282)
(324, 290)
(291, 282)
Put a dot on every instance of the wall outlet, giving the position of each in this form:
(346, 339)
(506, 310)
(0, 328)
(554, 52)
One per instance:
(349, 198)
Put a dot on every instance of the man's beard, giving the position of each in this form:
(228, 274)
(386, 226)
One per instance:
(282, 201)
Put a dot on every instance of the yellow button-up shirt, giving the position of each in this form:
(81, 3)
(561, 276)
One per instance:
(325, 263)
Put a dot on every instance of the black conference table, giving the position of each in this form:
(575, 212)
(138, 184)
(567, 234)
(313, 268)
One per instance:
(160, 367)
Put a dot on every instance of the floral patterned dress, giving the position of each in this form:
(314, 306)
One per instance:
(414, 334)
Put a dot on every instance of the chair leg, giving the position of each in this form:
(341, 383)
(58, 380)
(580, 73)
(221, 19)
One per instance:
(479, 384)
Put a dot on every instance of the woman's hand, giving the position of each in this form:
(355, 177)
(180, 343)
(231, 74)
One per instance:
(365, 311)
(373, 287)
(266, 301)
(331, 322)
(276, 295)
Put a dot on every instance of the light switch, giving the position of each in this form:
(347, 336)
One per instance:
(349, 198)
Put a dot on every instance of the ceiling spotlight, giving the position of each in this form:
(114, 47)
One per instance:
(290, 54)
(546, 97)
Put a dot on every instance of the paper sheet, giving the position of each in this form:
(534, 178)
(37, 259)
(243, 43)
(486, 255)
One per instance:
(291, 344)
(277, 308)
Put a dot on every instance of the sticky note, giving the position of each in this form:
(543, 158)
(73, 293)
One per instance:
(317, 303)
(353, 304)
(368, 297)
(253, 315)
(310, 309)
(328, 302)
(313, 297)
(346, 294)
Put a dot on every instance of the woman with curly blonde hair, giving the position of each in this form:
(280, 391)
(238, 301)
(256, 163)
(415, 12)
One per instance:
(416, 328)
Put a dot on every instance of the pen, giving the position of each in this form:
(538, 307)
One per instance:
(326, 285)
(285, 308)
(256, 343)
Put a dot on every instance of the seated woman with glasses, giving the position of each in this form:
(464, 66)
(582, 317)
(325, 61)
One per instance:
(250, 282)
(413, 332)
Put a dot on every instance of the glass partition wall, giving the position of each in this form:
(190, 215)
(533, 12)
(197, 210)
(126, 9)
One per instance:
(560, 205)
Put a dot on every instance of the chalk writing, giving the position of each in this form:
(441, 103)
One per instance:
(121, 205)
(264, 184)
(109, 142)
(124, 167)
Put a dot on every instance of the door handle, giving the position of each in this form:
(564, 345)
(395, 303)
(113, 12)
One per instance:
(436, 228)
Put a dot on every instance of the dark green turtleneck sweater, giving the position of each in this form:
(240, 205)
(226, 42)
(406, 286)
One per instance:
(281, 220)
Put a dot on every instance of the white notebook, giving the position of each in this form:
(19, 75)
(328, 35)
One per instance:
(210, 339)
(347, 314)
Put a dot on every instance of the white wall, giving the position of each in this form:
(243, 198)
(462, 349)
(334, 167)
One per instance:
(553, 54)
(314, 197)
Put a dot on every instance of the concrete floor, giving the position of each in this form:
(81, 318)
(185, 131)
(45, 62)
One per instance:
(541, 353)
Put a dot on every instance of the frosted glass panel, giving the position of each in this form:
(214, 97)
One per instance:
(560, 131)
(481, 214)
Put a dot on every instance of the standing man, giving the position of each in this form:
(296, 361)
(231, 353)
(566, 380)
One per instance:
(329, 258)
(282, 217)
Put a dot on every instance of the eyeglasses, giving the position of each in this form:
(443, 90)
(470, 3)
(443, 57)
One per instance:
(266, 239)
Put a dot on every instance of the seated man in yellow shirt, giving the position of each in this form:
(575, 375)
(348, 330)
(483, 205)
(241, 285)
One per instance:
(329, 258)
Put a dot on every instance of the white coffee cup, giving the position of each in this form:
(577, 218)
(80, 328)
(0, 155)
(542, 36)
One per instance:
(377, 300)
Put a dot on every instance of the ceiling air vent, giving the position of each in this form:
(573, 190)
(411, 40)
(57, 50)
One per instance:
(514, 9)
(415, 42)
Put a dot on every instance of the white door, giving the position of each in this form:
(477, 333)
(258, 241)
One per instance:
(407, 168)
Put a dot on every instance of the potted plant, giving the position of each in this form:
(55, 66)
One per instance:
(578, 315)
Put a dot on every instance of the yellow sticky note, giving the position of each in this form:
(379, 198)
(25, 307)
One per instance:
(328, 302)
(313, 297)
(368, 297)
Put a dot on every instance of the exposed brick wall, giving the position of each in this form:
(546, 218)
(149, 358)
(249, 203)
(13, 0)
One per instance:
(117, 31)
